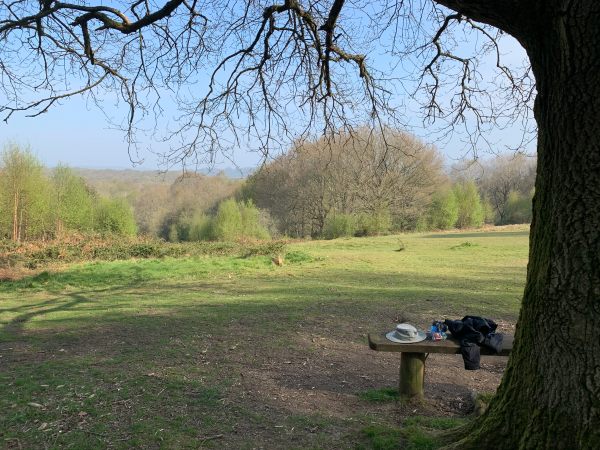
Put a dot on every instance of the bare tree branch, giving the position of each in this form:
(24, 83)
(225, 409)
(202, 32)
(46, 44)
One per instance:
(265, 72)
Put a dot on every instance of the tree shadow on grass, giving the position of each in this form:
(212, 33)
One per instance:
(126, 377)
(483, 234)
(16, 325)
(258, 364)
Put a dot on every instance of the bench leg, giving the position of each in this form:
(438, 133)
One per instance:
(412, 371)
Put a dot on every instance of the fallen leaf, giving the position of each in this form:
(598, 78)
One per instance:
(35, 405)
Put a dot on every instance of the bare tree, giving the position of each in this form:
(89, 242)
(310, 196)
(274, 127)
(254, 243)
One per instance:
(272, 63)
(504, 176)
(391, 175)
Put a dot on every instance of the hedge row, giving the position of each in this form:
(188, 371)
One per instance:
(36, 254)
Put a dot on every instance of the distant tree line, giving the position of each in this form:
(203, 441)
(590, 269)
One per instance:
(196, 207)
(370, 183)
(362, 184)
(37, 204)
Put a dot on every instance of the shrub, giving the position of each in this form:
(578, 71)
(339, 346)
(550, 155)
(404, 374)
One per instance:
(339, 225)
(115, 216)
(518, 208)
(228, 221)
(470, 209)
(233, 221)
(251, 221)
(202, 228)
(374, 223)
(173, 235)
(90, 247)
(443, 211)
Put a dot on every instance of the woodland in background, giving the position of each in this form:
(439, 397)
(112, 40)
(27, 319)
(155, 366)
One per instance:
(358, 186)
(374, 183)
(39, 204)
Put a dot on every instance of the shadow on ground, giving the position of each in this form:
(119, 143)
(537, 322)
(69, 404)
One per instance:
(223, 364)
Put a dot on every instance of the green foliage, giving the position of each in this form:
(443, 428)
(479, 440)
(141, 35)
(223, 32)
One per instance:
(443, 211)
(24, 196)
(115, 216)
(265, 248)
(470, 209)
(519, 208)
(251, 221)
(234, 221)
(434, 423)
(173, 235)
(202, 228)
(382, 437)
(73, 205)
(198, 227)
(489, 215)
(297, 256)
(374, 223)
(228, 221)
(35, 206)
(416, 433)
(339, 225)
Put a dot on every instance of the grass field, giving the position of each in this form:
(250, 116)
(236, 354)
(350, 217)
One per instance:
(224, 352)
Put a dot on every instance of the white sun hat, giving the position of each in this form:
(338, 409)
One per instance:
(406, 334)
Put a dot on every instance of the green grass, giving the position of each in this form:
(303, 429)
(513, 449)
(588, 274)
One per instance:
(380, 395)
(233, 351)
(416, 433)
(383, 437)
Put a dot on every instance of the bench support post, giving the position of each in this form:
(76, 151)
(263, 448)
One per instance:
(412, 372)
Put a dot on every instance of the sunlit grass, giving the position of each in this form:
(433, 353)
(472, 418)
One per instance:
(153, 351)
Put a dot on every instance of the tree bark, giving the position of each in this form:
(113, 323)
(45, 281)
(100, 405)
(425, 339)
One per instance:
(550, 394)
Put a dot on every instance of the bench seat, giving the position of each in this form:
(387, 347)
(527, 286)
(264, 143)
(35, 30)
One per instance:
(413, 356)
(380, 343)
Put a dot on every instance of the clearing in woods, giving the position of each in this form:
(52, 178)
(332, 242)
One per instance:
(223, 352)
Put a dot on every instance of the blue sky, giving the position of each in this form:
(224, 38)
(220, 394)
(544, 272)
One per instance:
(79, 135)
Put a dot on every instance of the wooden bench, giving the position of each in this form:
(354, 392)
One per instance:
(412, 358)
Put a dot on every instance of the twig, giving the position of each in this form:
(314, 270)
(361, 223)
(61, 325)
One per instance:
(211, 438)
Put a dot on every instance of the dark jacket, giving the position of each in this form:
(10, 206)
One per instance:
(474, 332)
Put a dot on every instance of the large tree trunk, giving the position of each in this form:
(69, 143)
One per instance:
(550, 394)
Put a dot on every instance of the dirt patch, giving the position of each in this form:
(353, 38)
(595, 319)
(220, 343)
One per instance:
(324, 375)
(300, 388)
